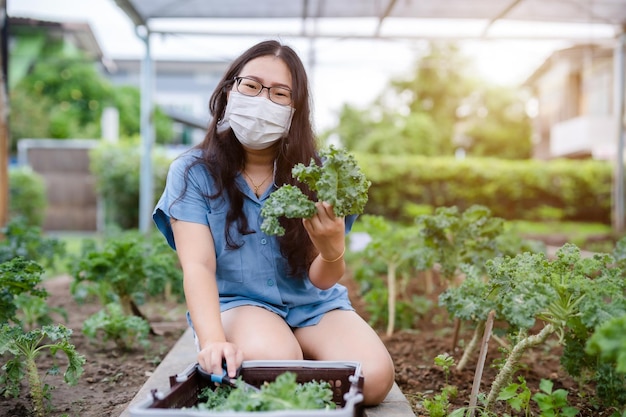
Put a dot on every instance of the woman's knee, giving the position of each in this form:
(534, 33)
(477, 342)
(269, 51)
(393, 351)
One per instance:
(378, 380)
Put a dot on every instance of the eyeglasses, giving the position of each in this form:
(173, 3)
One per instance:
(252, 88)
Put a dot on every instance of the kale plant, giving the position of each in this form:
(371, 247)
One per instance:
(20, 297)
(111, 323)
(28, 242)
(25, 348)
(126, 269)
(338, 181)
(566, 295)
(18, 276)
(284, 393)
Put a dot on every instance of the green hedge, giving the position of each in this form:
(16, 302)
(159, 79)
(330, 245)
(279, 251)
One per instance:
(27, 196)
(574, 190)
(117, 171)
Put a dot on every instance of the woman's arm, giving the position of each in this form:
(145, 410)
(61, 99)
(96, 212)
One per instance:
(328, 235)
(196, 253)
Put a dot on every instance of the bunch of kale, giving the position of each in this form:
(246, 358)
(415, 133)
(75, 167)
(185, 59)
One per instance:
(338, 181)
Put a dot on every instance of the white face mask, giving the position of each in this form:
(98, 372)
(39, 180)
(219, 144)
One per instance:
(257, 121)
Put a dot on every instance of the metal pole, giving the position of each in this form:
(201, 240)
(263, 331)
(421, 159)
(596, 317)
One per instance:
(618, 108)
(4, 121)
(146, 191)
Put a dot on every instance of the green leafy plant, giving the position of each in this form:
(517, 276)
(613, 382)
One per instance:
(394, 247)
(27, 241)
(608, 342)
(27, 196)
(125, 269)
(567, 294)
(284, 393)
(339, 181)
(517, 396)
(460, 238)
(512, 190)
(287, 201)
(445, 362)
(111, 323)
(607, 352)
(440, 403)
(117, 167)
(35, 311)
(22, 302)
(17, 277)
(462, 244)
(25, 348)
(553, 403)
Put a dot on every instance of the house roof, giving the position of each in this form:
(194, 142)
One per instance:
(611, 12)
(575, 54)
(82, 34)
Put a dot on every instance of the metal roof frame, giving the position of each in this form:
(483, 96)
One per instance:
(612, 12)
(148, 14)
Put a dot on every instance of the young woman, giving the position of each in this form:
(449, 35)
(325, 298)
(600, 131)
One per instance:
(252, 296)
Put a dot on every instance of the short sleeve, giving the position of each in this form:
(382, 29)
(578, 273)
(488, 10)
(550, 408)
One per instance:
(185, 196)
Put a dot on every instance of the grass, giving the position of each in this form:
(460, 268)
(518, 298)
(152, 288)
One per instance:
(597, 237)
(573, 229)
(594, 237)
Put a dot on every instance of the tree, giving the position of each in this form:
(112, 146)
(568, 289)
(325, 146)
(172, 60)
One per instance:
(442, 80)
(75, 92)
(63, 96)
(127, 99)
(498, 124)
(441, 107)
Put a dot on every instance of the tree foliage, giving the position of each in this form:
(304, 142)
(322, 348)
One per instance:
(73, 94)
(63, 96)
(439, 108)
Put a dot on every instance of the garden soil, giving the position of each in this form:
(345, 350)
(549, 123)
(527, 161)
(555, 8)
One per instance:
(113, 377)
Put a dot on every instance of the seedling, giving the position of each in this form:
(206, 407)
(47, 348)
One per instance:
(445, 362)
(517, 396)
(553, 403)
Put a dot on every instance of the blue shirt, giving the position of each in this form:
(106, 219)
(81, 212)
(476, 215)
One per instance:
(256, 273)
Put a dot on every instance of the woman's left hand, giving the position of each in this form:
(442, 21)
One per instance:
(327, 232)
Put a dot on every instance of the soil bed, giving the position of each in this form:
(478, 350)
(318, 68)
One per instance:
(112, 377)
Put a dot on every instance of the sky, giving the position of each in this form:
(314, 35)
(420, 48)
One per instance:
(345, 71)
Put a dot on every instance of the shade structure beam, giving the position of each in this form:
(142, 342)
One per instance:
(618, 109)
(146, 181)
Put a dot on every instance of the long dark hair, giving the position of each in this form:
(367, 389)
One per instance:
(224, 157)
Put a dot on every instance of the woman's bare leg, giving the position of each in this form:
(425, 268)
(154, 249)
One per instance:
(344, 336)
(261, 334)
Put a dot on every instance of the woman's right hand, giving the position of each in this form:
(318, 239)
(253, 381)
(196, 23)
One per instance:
(213, 354)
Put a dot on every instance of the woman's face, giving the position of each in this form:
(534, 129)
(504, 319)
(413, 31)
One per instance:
(268, 70)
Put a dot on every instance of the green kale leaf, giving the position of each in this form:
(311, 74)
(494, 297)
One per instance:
(287, 201)
(338, 181)
(284, 393)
